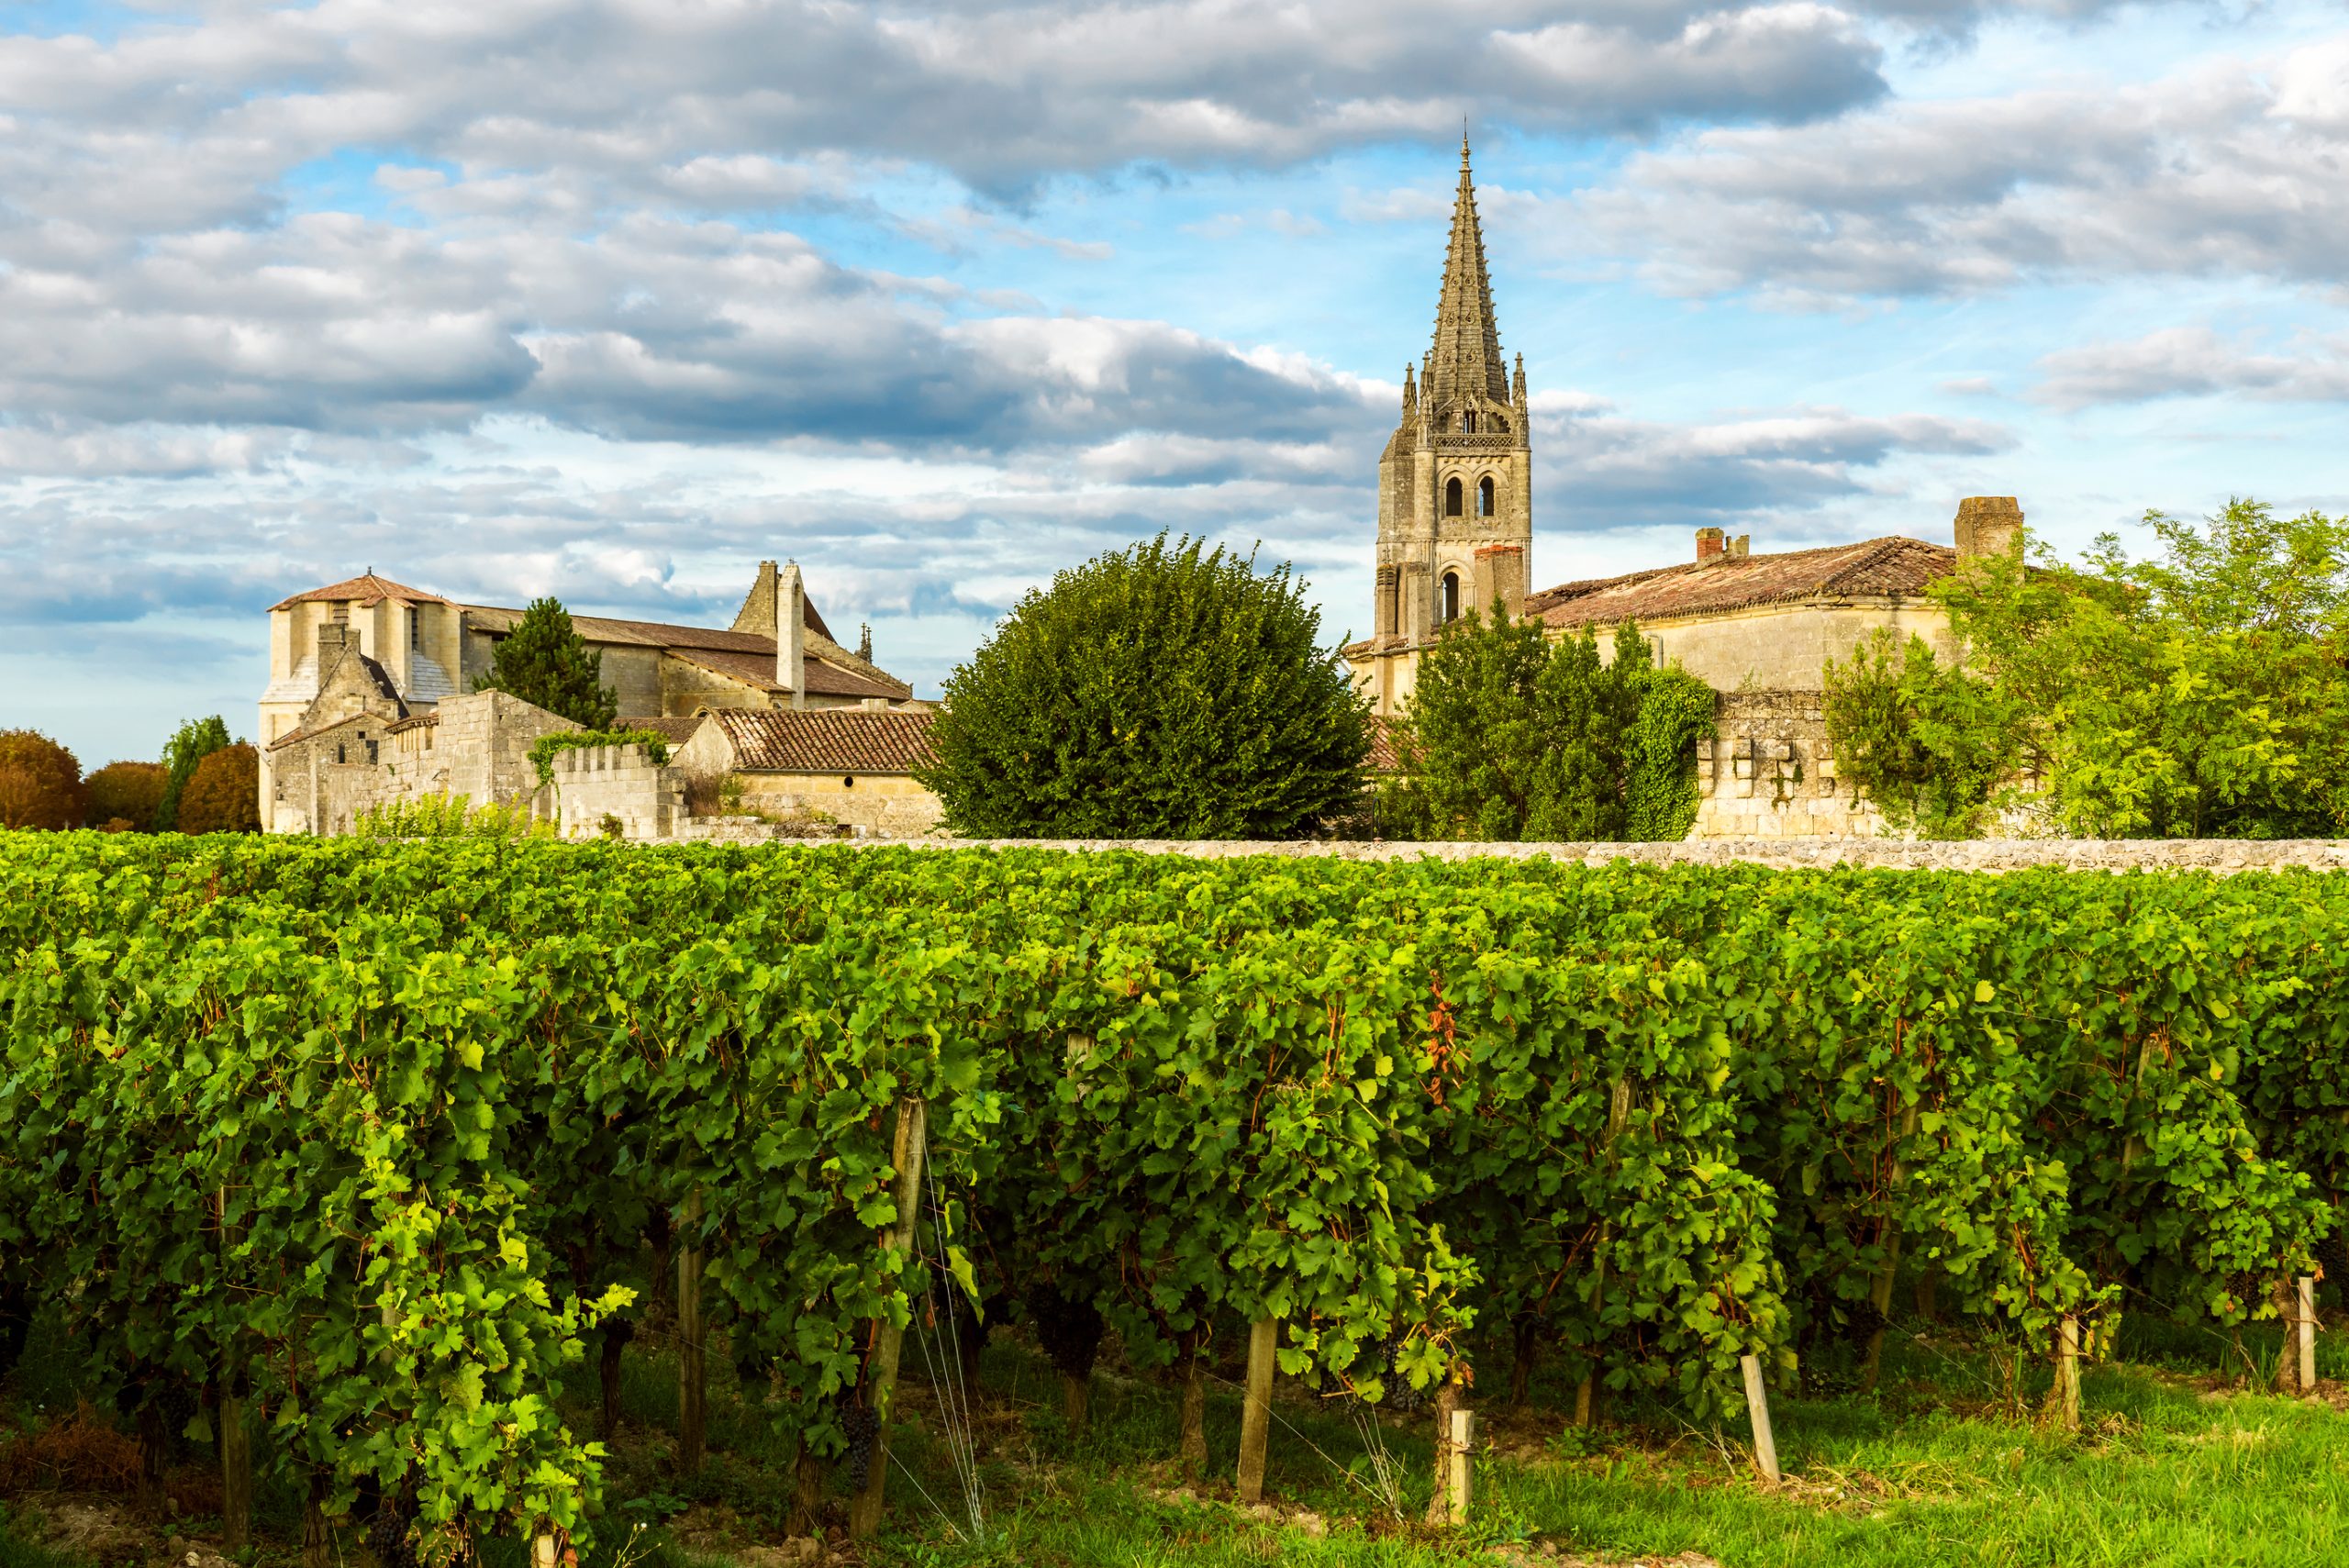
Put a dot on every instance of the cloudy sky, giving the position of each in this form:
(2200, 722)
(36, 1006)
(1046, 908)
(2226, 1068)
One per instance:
(611, 298)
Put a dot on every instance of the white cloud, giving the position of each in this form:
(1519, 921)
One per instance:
(2191, 362)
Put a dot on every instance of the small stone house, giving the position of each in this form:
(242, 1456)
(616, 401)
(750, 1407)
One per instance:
(855, 765)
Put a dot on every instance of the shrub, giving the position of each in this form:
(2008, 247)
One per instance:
(1162, 691)
(131, 791)
(40, 783)
(225, 794)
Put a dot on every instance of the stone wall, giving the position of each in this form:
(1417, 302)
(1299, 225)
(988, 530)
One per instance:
(885, 804)
(623, 783)
(1769, 772)
(2222, 856)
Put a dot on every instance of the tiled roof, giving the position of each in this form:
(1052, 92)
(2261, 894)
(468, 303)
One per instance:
(757, 671)
(826, 741)
(497, 620)
(1878, 568)
(312, 731)
(366, 589)
(1383, 759)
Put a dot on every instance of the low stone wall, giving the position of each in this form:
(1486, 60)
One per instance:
(2220, 855)
(622, 782)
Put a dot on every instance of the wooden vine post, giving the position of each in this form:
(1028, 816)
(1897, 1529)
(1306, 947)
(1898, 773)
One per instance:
(1880, 1293)
(1757, 1409)
(236, 1443)
(2304, 1323)
(1463, 1446)
(1256, 1407)
(1619, 1111)
(889, 1341)
(693, 1410)
(2066, 1395)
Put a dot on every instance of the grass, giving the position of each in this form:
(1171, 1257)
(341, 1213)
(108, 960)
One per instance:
(2182, 1461)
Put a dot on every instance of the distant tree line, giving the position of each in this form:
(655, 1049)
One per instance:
(206, 782)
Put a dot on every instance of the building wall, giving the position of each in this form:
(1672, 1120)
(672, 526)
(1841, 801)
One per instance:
(1769, 772)
(619, 782)
(479, 749)
(1767, 646)
(891, 804)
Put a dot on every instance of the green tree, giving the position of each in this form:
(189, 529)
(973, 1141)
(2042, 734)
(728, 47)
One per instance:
(1161, 691)
(2202, 692)
(1510, 737)
(190, 744)
(40, 783)
(545, 662)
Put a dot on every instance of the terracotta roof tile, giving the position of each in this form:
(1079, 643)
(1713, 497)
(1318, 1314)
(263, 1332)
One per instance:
(366, 589)
(826, 741)
(757, 671)
(675, 730)
(1876, 568)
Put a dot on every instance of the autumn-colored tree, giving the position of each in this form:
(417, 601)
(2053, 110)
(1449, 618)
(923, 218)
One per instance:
(127, 792)
(225, 794)
(40, 783)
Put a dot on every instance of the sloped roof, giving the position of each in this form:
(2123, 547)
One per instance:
(1892, 567)
(825, 740)
(756, 671)
(366, 589)
(498, 620)
(1383, 757)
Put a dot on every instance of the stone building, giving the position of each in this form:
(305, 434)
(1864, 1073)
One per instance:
(1455, 531)
(855, 767)
(372, 655)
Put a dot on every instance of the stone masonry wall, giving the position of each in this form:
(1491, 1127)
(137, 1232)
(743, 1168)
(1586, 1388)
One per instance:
(2222, 856)
(592, 783)
(1769, 772)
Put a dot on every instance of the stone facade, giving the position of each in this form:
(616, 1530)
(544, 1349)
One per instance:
(598, 789)
(475, 747)
(1769, 772)
(855, 767)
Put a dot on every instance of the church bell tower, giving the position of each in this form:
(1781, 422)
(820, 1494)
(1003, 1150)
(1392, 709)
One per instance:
(1455, 505)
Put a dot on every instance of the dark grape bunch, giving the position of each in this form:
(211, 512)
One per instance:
(1068, 1329)
(2333, 1255)
(387, 1536)
(1377, 1360)
(863, 1429)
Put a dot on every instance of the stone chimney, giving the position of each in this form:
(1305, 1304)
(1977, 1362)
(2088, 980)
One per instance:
(1740, 547)
(332, 635)
(791, 634)
(1711, 544)
(1988, 525)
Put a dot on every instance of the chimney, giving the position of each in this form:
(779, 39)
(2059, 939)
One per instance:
(791, 634)
(864, 642)
(1711, 545)
(1988, 525)
(1740, 547)
(331, 636)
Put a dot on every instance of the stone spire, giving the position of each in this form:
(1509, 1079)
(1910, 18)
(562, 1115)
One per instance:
(1466, 359)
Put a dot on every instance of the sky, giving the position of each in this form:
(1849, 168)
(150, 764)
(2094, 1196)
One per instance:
(611, 299)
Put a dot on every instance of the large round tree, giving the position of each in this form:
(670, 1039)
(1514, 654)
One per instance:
(225, 794)
(125, 796)
(1164, 691)
(40, 781)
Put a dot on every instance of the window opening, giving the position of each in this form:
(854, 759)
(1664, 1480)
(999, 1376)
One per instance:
(1484, 497)
(1451, 499)
(1451, 595)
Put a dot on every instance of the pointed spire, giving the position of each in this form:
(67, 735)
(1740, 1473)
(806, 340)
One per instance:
(1466, 357)
(1410, 389)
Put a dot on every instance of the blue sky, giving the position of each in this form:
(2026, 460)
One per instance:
(612, 299)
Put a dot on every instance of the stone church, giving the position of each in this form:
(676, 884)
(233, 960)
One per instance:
(370, 695)
(1455, 531)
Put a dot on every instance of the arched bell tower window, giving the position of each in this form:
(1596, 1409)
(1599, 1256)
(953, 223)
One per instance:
(1451, 611)
(1484, 497)
(1469, 421)
(1452, 498)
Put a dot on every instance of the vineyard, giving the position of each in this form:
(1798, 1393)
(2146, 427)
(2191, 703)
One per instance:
(366, 1155)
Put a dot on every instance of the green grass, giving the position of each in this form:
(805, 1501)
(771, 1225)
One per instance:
(2182, 1462)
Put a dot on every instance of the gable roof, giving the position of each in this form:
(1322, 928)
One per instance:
(825, 740)
(1893, 567)
(366, 589)
(756, 671)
